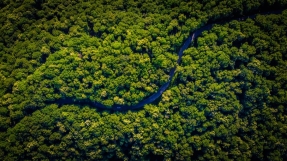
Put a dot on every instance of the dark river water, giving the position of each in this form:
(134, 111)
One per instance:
(156, 95)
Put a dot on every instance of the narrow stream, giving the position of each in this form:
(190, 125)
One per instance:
(156, 95)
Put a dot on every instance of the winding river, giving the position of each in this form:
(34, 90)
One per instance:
(156, 95)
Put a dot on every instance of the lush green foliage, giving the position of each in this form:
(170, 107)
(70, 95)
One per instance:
(227, 101)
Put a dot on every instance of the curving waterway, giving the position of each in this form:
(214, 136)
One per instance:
(156, 95)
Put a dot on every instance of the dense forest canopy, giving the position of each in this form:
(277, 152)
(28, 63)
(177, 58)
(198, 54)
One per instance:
(227, 100)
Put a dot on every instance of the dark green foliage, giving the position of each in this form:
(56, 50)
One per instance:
(227, 100)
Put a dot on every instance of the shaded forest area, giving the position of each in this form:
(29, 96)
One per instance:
(227, 100)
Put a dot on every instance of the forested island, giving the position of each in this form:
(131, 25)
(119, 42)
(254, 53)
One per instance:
(143, 80)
